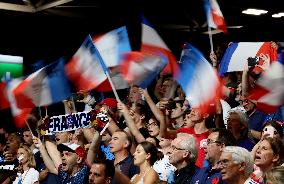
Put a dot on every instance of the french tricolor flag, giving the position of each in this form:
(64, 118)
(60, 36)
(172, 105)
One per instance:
(236, 55)
(215, 18)
(198, 79)
(269, 90)
(44, 87)
(141, 69)
(20, 114)
(86, 69)
(153, 44)
(113, 45)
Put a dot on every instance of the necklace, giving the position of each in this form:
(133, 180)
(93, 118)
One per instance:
(23, 178)
(145, 172)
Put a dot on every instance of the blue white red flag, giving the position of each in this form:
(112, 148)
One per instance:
(236, 55)
(198, 79)
(112, 45)
(86, 69)
(215, 18)
(141, 69)
(269, 90)
(153, 44)
(44, 87)
(20, 114)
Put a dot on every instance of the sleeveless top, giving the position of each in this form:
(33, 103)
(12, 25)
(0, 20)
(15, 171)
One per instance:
(141, 181)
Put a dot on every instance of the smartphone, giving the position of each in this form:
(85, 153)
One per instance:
(252, 61)
(269, 130)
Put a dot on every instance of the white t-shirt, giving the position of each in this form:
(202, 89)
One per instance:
(29, 176)
(164, 168)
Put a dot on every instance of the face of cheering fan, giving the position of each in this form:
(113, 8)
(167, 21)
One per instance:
(140, 156)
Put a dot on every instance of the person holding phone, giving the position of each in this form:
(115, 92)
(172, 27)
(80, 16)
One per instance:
(271, 129)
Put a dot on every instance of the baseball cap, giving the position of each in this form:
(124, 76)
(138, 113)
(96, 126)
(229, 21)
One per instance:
(72, 147)
(111, 102)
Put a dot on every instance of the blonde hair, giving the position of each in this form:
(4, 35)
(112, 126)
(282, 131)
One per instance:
(275, 175)
(32, 162)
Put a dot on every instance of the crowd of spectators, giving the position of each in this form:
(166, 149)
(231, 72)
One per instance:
(153, 136)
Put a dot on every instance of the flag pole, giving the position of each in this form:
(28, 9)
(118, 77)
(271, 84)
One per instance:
(106, 71)
(45, 111)
(39, 111)
(210, 38)
(29, 127)
(113, 87)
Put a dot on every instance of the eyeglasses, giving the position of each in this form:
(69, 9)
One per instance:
(176, 149)
(223, 163)
(209, 141)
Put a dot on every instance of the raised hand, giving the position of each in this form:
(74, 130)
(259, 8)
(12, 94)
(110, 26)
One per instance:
(37, 142)
(213, 58)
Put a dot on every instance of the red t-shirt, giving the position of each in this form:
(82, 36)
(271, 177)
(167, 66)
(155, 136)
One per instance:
(200, 138)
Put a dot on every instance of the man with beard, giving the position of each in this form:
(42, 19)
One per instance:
(70, 166)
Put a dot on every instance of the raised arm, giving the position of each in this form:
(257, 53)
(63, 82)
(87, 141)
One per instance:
(94, 147)
(159, 115)
(69, 106)
(112, 126)
(55, 155)
(130, 123)
(156, 111)
(88, 134)
(45, 156)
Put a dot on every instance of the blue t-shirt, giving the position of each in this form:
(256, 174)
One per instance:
(51, 179)
(207, 175)
(81, 177)
(127, 167)
(106, 151)
(246, 143)
(256, 120)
